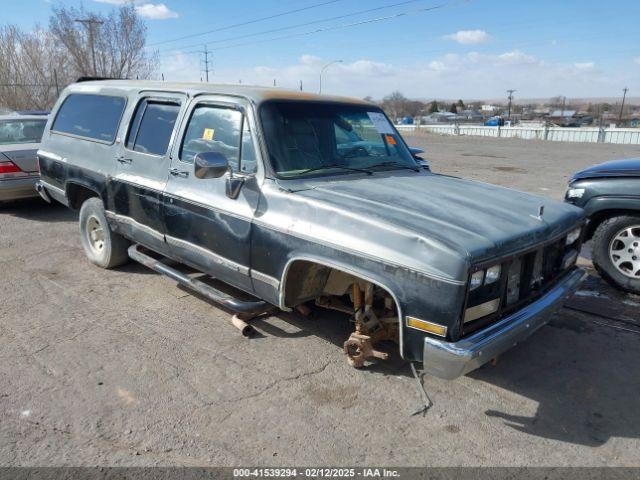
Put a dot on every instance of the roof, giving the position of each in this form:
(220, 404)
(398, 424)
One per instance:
(256, 94)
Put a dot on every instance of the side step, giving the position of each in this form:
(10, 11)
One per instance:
(241, 306)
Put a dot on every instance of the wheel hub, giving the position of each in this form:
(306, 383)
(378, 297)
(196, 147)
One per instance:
(624, 251)
(95, 233)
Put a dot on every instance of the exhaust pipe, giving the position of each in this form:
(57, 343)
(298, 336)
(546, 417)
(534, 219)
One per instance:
(246, 329)
(42, 192)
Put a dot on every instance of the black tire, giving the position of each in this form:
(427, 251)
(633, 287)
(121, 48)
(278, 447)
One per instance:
(103, 247)
(602, 240)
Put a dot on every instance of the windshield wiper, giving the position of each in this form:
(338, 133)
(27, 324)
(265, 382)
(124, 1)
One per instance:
(336, 165)
(392, 163)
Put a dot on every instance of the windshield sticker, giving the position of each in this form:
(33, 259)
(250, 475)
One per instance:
(391, 140)
(208, 134)
(380, 122)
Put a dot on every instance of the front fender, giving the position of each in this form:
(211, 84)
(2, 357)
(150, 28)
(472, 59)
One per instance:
(598, 204)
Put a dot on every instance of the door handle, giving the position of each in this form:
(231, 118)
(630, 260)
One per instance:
(124, 160)
(178, 173)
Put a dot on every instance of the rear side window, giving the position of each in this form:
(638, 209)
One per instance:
(90, 116)
(21, 131)
(152, 126)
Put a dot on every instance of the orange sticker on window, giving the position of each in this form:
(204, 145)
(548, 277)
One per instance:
(207, 134)
(391, 140)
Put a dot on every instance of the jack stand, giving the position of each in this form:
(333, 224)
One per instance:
(427, 403)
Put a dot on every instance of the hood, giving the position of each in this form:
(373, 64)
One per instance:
(444, 214)
(629, 167)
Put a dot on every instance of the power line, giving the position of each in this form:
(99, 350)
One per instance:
(334, 27)
(249, 22)
(305, 24)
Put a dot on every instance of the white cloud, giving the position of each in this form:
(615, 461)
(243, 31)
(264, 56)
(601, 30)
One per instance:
(516, 57)
(636, 60)
(158, 11)
(584, 65)
(470, 37)
(152, 11)
(469, 76)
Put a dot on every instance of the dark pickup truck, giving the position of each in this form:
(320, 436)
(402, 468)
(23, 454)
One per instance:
(302, 200)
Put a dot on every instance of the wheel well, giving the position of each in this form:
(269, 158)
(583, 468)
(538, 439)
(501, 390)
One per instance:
(307, 280)
(597, 218)
(77, 194)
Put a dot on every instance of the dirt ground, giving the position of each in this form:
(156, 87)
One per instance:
(122, 367)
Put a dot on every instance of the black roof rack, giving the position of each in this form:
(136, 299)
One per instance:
(91, 79)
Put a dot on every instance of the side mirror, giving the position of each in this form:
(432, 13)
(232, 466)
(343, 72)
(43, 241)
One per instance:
(415, 151)
(210, 165)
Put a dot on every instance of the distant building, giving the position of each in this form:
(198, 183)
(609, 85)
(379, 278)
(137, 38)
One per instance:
(488, 109)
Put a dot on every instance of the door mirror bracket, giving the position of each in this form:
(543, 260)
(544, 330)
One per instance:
(234, 185)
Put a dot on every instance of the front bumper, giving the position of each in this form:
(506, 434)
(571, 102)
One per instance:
(17, 188)
(450, 360)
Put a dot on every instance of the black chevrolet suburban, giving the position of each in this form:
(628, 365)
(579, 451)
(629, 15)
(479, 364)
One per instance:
(300, 200)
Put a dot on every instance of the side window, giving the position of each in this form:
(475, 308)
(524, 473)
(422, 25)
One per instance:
(152, 126)
(248, 161)
(90, 116)
(213, 129)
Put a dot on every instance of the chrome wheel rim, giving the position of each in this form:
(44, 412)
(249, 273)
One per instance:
(95, 234)
(624, 251)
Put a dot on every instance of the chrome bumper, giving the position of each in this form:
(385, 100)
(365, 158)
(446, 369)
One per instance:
(450, 360)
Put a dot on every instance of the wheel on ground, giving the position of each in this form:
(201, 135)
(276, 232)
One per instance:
(103, 247)
(616, 252)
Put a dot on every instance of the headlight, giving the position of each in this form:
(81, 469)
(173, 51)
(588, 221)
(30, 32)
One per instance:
(493, 274)
(575, 193)
(573, 236)
(476, 279)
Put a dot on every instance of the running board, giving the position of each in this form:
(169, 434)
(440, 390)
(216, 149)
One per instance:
(241, 306)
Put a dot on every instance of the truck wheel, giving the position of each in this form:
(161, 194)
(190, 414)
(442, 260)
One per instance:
(103, 247)
(616, 252)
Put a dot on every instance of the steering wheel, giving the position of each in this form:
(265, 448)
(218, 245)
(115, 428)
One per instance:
(357, 151)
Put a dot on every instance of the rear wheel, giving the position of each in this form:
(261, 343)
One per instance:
(616, 252)
(103, 247)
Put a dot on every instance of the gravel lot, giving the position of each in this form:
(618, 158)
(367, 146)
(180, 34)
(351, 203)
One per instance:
(122, 367)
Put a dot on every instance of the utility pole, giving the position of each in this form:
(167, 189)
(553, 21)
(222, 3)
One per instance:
(89, 24)
(624, 96)
(510, 97)
(300, 85)
(206, 63)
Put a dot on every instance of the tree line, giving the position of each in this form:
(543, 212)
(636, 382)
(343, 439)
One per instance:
(36, 65)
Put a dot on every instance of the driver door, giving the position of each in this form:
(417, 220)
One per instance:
(204, 227)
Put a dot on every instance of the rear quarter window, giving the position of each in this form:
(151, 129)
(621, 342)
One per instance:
(21, 131)
(90, 116)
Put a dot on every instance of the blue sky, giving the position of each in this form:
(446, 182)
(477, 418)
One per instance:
(463, 49)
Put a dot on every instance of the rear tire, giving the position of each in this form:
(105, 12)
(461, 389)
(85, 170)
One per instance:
(614, 240)
(103, 247)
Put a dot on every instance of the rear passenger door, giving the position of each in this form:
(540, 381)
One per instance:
(142, 166)
(204, 226)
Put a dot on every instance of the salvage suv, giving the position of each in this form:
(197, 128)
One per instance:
(300, 200)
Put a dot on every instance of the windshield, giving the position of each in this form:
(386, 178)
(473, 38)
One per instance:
(21, 131)
(316, 138)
